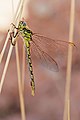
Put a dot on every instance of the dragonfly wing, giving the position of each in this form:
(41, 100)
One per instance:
(45, 59)
(54, 47)
(49, 62)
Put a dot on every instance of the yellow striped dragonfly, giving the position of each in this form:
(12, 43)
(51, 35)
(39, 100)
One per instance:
(37, 42)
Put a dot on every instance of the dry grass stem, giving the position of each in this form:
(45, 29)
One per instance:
(7, 61)
(6, 41)
(15, 20)
(5, 68)
(20, 85)
(69, 64)
(21, 95)
(4, 47)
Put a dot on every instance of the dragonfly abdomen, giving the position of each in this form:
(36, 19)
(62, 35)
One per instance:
(30, 68)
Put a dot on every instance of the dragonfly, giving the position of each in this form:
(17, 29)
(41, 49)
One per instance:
(37, 42)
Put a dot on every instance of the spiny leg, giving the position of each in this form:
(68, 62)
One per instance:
(30, 68)
(12, 35)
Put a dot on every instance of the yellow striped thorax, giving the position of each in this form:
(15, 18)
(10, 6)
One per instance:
(24, 31)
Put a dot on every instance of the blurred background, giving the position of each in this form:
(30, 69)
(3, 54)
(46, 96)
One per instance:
(51, 19)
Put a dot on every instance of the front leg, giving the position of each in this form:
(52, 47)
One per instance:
(12, 35)
(14, 25)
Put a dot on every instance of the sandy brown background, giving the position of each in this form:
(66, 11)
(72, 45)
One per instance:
(48, 103)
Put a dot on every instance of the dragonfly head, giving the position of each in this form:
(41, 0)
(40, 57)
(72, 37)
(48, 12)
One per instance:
(22, 25)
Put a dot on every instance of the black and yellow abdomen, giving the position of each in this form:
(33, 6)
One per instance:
(30, 68)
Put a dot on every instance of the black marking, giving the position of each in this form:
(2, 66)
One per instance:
(30, 64)
(31, 83)
(12, 36)
(13, 43)
(27, 30)
(31, 72)
(29, 56)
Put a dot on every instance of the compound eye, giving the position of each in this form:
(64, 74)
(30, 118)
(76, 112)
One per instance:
(24, 23)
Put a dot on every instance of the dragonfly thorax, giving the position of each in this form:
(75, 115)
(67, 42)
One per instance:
(24, 31)
(21, 25)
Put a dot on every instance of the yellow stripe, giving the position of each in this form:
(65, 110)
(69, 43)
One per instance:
(30, 69)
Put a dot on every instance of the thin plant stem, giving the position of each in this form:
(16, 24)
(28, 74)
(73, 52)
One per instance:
(19, 11)
(8, 57)
(22, 106)
(66, 115)
(5, 68)
(7, 38)
(15, 20)
(7, 61)
(12, 7)
(20, 87)
(3, 50)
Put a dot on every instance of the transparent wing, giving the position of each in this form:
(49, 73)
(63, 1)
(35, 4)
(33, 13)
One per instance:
(45, 59)
(47, 50)
(51, 46)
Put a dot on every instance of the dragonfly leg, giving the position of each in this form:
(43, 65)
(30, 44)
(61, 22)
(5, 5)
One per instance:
(12, 35)
(11, 40)
(14, 25)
